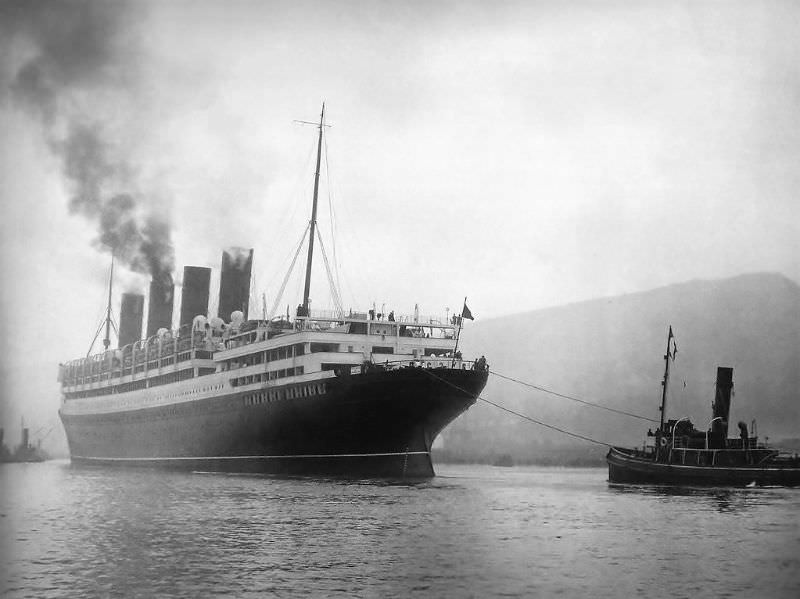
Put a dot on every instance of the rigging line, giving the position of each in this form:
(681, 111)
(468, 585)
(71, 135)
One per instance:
(96, 335)
(272, 265)
(283, 260)
(330, 211)
(114, 323)
(102, 320)
(360, 249)
(583, 401)
(288, 274)
(523, 416)
(334, 292)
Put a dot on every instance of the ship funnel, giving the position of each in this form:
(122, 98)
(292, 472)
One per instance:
(234, 283)
(194, 297)
(159, 311)
(722, 401)
(130, 318)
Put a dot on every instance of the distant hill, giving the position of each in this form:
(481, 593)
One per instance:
(611, 351)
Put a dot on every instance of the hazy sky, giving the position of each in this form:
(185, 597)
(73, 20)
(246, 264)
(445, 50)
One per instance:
(524, 154)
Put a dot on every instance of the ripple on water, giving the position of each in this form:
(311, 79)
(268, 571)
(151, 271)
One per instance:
(475, 531)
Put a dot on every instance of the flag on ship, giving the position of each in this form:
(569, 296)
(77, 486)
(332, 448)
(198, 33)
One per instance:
(674, 353)
(465, 312)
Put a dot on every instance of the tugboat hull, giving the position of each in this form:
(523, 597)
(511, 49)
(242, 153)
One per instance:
(626, 466)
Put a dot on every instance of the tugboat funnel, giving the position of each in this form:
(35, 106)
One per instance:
(722, 401)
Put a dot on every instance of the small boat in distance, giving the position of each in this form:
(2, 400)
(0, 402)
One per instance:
(24, 452)
(679, 454)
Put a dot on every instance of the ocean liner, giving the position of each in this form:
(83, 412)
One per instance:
(337, 392)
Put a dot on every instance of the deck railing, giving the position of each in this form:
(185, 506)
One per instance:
(175, 347)
(133, 360)
(708, 457)
(422, 320)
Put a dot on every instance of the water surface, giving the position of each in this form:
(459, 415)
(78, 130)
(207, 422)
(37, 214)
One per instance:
(473, 531)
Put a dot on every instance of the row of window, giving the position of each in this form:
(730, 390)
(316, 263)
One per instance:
(310, 390)
(193, 391)
(172, 377)
(272, 355)
(99, 371)
(164, 379)
(435, 351)
(337, 367)
(324, 347)
(286, 352)
(124, 388)
(267, 376)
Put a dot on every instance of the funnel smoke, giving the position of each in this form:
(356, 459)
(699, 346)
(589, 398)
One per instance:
(73, 66)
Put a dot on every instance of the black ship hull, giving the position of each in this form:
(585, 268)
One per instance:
(626, 466)
(376, 424)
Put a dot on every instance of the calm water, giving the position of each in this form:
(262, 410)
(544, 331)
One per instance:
(471, 532)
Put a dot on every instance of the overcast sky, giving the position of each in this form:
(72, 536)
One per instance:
(523, 154)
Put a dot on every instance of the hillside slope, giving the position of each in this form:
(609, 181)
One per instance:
(611, 350)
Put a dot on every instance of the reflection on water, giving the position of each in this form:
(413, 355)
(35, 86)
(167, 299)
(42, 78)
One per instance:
(720, 498)
(472, 531)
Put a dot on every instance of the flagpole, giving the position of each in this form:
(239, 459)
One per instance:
(458, 334)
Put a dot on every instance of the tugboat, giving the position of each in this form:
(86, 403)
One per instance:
(679, 454)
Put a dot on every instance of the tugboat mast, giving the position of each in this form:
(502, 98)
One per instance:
(313, 223)
(664, 383)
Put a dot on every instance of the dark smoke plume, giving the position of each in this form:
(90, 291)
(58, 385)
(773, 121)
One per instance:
(67, 63)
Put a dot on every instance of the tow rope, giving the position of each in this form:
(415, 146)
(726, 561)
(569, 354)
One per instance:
(569, 397)
(518, 414)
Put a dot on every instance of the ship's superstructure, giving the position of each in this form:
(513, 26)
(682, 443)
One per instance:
(356, 393)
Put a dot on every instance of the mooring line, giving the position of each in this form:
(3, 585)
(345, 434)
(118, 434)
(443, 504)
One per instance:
(523, 416)
(582, 401)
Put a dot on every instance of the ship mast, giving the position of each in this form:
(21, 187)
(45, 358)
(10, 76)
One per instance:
(107, 339)
(664, 383)
(313, 222)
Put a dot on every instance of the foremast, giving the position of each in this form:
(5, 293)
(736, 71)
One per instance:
(107, 322)
(107, 338)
